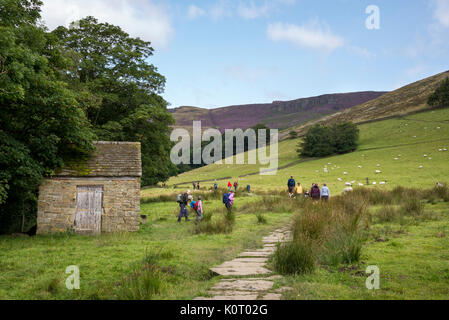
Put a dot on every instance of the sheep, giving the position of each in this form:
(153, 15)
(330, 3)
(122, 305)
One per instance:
(360, 167)
(378, 171)
(396, 159)
(439, 185)
(348, 184)
(383, 183)
(374, 183)
(348, 189)
(339, 179)
(345, 173)
(425, 156)
(421, 167)
(378, 165)
(360, 184)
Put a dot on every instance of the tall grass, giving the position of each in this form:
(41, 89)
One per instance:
(336, 230)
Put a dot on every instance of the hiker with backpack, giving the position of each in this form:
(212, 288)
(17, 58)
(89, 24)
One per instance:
(197, 206)
(315, 192)
(228, 200)
(198, 185)
(215, 186)
(291, 186)
(236, 184)
(248, 188)
(183, 200)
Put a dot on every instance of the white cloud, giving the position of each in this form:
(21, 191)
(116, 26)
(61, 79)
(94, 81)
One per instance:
(195, 12)
(312, 35)
(139, 18)
(362, 52)
(441, 13)
(252, 11)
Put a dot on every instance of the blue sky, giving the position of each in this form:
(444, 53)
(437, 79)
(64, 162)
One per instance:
(223, 52)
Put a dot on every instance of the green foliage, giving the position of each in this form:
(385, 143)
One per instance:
(293, 134)
(118, 89)
(296, 257)
(322, 141)
(41, 122)
(440, 98)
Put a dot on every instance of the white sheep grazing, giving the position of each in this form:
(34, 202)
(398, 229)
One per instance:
(440, 185)
(378, 165)
(348, 189)
(353, 182)
(345, 173)
(396, 158)
(360, 167)
(430, 158)
(421, 167)
(360, 184)
(339, 179)
(374, 183)
(425, 156)
(383, 183)
(378, 171)
(440, 150)
(348, 184)
(444, 149)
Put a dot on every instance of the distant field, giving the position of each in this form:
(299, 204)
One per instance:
(407, 139)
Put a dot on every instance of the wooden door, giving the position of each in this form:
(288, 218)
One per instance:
(89, 203)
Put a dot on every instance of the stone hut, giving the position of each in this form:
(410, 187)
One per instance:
(101, 194)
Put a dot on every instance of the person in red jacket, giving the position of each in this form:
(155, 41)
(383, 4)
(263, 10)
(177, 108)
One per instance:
(229, 185)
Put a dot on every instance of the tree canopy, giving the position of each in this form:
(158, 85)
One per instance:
(41, 122)
(322, 141)
(61, 90)
(440, 98)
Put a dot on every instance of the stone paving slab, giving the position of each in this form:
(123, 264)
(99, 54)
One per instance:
(250, 260)
(230, 298)
(241, 271)
(250, 263)
(246, 284)
(255, 254)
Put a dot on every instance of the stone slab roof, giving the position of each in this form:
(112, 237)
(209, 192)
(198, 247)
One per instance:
(110, 159)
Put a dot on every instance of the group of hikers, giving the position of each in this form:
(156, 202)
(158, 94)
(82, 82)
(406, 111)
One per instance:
(186, 199)
(315, 193)
(295, 190)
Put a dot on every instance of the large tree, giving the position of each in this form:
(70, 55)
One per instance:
(119, 90)
(41, 123)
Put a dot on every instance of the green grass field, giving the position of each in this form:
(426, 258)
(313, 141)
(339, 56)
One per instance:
(413, 258)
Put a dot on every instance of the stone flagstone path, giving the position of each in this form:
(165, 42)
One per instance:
(249, 264)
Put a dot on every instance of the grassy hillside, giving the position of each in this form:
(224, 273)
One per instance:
(407, 139)
(410, 98)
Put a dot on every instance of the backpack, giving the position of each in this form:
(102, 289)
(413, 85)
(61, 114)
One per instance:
(226, 198)
(194, 204)
(291, 183)
(179, 200)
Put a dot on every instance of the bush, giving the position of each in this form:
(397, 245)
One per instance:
(261, 219)
(295, 257)
(342, 248)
